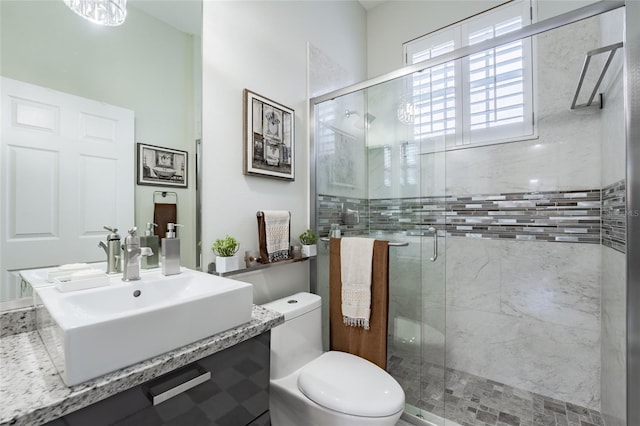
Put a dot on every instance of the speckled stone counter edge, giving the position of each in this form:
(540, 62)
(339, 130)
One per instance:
(17, 321)
(90, 392)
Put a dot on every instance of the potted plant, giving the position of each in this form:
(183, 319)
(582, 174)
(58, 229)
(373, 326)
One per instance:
(308, 239)
(225, 250)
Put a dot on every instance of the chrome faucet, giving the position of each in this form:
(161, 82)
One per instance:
(132, 251)
(112, 249)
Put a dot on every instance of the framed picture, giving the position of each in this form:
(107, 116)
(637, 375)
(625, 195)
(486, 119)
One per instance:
(162, 166)
(269, 148)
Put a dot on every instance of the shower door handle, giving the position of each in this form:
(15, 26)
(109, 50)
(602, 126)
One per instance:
(435, 243)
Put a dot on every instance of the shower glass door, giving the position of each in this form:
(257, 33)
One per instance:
(411, 120)
(507, 279)
(378, 175)
(341, 199)
(406, 197)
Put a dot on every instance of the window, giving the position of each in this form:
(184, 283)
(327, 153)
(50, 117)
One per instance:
(485, 98)
(409, 163)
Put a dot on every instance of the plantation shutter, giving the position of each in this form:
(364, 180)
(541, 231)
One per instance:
(496, 84)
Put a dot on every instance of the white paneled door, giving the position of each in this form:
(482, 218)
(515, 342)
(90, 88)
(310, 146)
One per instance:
(67, 170)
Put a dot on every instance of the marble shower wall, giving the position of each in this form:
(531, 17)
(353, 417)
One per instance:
(613, 348)
(526, 314)
(522, 313)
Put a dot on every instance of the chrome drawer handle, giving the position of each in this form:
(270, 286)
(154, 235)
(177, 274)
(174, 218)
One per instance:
(161, 395)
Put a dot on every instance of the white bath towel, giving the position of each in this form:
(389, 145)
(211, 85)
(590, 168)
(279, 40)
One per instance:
(276, 223)
(356, 260)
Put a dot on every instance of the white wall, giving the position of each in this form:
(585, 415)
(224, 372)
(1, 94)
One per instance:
(262, 46)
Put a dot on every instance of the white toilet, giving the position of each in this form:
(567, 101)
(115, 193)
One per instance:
(312, 388)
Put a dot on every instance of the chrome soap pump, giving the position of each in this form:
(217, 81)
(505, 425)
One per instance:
(150, 240)
(131, 253)
(171, 251)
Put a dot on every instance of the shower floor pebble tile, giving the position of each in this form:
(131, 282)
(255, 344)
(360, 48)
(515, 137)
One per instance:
(475, 401)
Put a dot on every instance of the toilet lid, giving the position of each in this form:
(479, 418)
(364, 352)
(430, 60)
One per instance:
(351, 385)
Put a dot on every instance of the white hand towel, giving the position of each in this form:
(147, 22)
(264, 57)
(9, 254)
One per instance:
(356, 260)
(276, 224)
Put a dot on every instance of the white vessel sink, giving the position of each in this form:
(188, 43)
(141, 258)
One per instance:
(92, 332)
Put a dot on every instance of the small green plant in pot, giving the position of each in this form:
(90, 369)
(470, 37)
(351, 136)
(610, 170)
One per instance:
(225, 250)
(308, 239)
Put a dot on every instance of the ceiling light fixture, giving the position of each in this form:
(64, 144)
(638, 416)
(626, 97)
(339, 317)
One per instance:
(101, 12)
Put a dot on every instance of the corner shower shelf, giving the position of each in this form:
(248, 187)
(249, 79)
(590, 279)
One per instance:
(260, 266)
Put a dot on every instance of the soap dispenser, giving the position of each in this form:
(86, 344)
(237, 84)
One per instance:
(171, 251)
(150, 240)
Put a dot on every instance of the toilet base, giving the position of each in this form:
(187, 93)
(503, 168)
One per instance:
(289, 407)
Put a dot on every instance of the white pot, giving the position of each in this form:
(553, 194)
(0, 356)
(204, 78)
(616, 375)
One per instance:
(310, 250)
(228, 264)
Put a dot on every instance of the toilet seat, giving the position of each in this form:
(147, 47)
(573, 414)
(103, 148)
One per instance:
(351, 385)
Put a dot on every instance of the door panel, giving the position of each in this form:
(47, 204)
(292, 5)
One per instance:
(67, 170)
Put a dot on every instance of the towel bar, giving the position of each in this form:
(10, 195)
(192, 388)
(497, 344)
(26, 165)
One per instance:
(391, 243)
(164, 194)
(611, 49)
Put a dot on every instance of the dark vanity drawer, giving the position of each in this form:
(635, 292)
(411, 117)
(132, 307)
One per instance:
(235, 394)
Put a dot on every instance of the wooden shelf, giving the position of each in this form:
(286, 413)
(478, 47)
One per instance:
(260, 266)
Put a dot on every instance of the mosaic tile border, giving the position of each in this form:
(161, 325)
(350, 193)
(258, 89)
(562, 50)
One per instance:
(581, 216)
(614, 217)
(330, 211)
(561, 216)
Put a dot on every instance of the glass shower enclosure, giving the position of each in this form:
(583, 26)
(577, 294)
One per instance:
(504, 196)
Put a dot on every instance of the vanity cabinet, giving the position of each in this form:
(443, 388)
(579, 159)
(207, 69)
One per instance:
(228, 388)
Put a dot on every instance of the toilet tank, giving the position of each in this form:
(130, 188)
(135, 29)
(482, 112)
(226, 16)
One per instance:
(299, 339)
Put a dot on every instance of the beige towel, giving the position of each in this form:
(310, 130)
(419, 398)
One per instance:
(369, 344)
(276, 223)
(356, 259)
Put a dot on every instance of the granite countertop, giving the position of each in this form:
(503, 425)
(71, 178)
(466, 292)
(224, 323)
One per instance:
(32, 392)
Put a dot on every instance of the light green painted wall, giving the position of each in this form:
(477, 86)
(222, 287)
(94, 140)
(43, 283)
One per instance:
(144, 65)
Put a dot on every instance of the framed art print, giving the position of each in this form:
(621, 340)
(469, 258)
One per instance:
(162, 166)
(269, 148)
